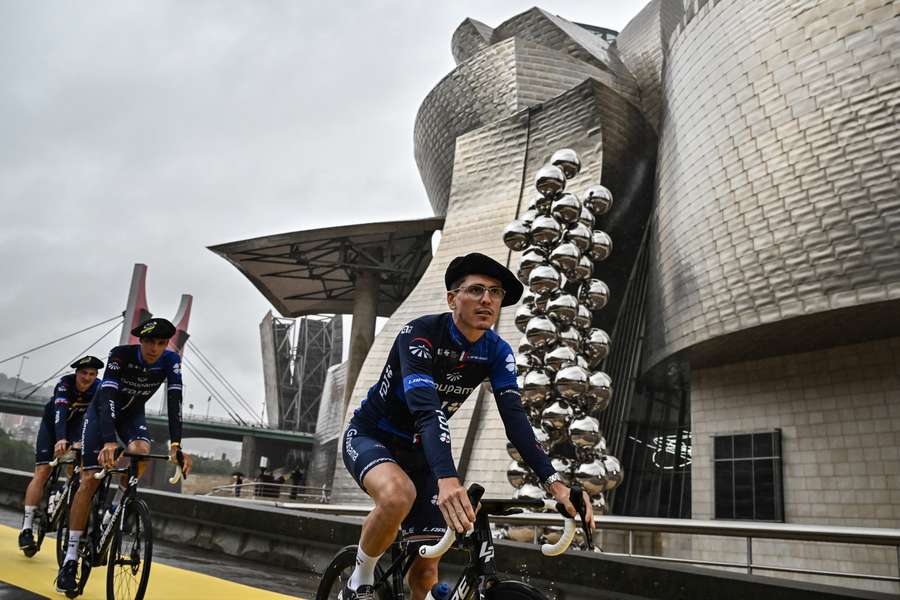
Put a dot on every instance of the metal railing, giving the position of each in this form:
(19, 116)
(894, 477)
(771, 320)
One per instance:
(273, 492)
(748, 530)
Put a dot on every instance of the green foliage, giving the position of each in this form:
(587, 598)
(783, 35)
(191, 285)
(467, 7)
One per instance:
(212, 466)
(15, 454)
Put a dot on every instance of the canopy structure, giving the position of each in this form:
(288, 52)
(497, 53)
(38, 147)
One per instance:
(318, 270)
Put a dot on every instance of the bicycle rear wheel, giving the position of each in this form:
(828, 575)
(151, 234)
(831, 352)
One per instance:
(514, 590)
(130, 554)
(339, 571)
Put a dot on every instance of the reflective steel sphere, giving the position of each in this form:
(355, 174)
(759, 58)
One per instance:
(513, 452)
(571, 382)
(562, 309)
(528, 217)
(567, 160)
(595, 295)
(545, 231)
(517, 475)
(569, 336)
(563, 466)
(601, 246)
(515, 236)
(556, 418)
(592, 477)
(566, 209)
(580, 235)
(565, 257)
(527, 362)
(559, 358)
(525, 346)
(595, 344)
(550, 180)
(544, 279)
(523, 315)
(586, 217)
(583, 318)
(599, 391)
(614, 473)
(537, 387)
(541, 436)
(530, 259)
(598, 200)
(584, 270)
(540, 205)
(599, 504)
(529, 490)
(585, 432)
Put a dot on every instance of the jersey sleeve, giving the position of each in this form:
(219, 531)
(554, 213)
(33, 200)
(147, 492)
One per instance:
(415, 347)
(515, 420)
(174, 398)
(60, 409)
(106, 397)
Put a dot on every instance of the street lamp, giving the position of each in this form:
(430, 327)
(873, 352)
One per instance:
(18, 375)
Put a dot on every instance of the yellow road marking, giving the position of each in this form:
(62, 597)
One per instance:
(38, 575)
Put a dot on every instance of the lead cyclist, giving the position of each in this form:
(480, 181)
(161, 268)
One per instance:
(397, 444)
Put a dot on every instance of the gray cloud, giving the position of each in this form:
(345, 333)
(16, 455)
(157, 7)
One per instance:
(143, 132)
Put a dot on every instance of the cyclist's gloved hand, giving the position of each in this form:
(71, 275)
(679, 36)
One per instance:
(107, 456)
(453, 500)
(181, 458)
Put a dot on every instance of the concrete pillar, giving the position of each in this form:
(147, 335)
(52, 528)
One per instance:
(362, 330)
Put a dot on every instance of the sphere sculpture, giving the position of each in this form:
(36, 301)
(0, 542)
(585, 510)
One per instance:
(560, 355)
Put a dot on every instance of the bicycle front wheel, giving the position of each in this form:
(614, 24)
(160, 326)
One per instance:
(514, 590)
(338, 573)
(130, 554)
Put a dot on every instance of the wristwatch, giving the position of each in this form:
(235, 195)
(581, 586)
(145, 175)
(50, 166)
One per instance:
(551, 480)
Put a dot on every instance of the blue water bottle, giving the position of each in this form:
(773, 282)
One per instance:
(439, 591)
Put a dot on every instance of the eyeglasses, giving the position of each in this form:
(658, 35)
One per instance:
(476, 291)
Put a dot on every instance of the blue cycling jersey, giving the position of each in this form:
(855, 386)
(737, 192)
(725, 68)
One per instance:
(431, 370)
(128, 381)
(68, 404)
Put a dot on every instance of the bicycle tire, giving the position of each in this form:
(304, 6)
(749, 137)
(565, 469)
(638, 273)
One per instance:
(339, 570)
(39, 528)
(513, 590)
(62, 537)
(130, 554)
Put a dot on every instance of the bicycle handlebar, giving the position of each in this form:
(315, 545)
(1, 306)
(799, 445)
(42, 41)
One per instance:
(475, 492)
(179, 474)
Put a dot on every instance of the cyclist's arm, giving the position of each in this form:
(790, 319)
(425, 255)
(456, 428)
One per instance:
(60, 410)
(515, 420)
(416, 353)
(106, 397)
(174, 398)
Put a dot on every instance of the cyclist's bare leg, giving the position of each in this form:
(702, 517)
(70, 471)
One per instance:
(422, 575)
(135, 447)
(393, 493)
(81, 505)
(36, 487)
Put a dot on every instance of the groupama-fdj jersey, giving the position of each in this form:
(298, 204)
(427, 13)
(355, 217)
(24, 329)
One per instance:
(431, 370)
(128, 382)
(63, 416)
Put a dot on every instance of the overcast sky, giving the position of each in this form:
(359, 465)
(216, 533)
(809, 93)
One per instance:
(147, 131)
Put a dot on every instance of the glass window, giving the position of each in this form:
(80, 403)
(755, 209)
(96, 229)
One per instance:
(747, 476)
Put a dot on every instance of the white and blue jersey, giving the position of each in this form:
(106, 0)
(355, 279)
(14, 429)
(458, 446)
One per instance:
(430, 371)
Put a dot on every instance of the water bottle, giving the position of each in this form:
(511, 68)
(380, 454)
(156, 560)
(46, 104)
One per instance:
(439, 591)
(107, 516)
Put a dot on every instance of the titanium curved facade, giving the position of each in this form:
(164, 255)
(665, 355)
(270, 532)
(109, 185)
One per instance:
(779, 202)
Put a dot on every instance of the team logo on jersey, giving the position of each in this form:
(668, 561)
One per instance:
(445, 437)
(454, 376)
(405, 329)
(113, 366)
(510, 363)
(420, 347)
(176, 368)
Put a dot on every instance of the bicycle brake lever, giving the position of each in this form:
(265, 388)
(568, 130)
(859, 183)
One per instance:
(576, 495)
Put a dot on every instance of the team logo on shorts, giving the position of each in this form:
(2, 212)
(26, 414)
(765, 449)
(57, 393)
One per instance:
(510, 363)
(420, 347)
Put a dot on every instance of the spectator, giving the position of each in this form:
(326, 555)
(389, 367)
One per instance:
(238, 478)
(297, 479)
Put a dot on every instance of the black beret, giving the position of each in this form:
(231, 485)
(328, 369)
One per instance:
(479, 264)
(87, 362)
(154, 328)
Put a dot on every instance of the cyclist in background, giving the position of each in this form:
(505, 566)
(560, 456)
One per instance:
(60, 427)
(397, 444)
(133, 374)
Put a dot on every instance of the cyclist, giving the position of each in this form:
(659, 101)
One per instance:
(133, 374)
(397, 444)
(60, 426)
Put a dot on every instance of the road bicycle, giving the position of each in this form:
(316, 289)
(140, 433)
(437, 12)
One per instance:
(120, 538)
(51, 510)
(479, 579)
